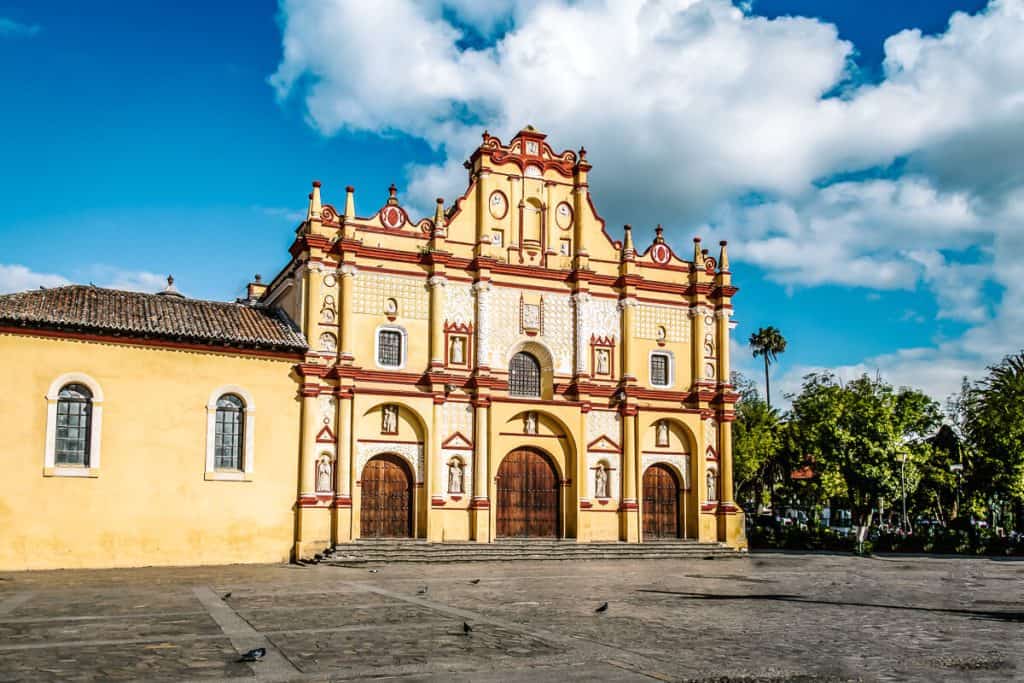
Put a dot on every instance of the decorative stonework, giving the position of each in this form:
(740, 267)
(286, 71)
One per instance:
(456, 418)
(327, 410)
(711, 434)
(412, 453)
(604, 423)
(458, 304)
(680, 462)
(603, 319)
(612, 462)
(373, 290)
(673, 319)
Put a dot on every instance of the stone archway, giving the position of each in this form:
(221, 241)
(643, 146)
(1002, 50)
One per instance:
(386, 500)
(528, 502)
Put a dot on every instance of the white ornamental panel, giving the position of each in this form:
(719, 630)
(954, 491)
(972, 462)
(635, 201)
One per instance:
(458, 304)
(412, 453)
(681, 463)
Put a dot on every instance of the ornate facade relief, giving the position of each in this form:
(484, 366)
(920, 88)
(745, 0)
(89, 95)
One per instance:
(680, 462)
(502, 330)
(456, 418)
(373, 291)
(412, 453)
(604, 423)
(458, 304)
(671, 321)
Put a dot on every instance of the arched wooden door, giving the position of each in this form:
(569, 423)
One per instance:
(528, 492)
(385, 508)
(661, 503)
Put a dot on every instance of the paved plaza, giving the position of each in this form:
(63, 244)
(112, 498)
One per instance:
(766, 617)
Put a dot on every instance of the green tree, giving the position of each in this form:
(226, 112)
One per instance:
(994, 428)
(768, 343)
(755, 442)
(866, 438)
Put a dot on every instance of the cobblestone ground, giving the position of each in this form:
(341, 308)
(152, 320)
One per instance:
(767, 617)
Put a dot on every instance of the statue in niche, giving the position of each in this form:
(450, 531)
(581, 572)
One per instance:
(530, 423)
(458, 355)
(661, 434)
(709, 346)
(602, 362)
(456, 473)
(389, 420)
(328, 342)
(601, 482)
(324, 478)
(712, 485)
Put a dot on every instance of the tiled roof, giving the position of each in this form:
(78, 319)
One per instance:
(85, 308)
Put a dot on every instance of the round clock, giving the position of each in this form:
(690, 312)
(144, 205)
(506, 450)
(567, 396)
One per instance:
(563, 216)
(498, 204)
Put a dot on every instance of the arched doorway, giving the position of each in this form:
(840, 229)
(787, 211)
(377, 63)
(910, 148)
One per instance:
(661, 502)
(385, 508)
(528, 492)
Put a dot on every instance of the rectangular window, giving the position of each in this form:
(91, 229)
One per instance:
(389, 348)
(72, 443)
(659, 370)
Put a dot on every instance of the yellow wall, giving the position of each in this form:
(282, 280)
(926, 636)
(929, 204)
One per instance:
(150, 503)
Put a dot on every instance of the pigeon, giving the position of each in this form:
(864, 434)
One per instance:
(254, 655)
(227, 595)
(374, 571)
(602, 608)
(423, 590)
(466, 628)
(475, 581)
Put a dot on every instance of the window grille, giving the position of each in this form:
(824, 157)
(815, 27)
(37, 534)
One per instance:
(659, 369)
(524, 375)
(74, 425)
(389, 348)
(227, 453)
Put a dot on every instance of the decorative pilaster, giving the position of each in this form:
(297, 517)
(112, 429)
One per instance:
(482, 291)
(480, 503)
(437, 283)
(724, 369)
(580, 301)
(630, 454)
(627, 307)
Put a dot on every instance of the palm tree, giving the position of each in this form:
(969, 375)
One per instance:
(769, 343)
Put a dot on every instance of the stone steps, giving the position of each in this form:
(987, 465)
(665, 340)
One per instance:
(414, 550)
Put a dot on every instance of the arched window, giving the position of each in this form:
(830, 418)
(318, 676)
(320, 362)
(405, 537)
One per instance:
(524, 375)
(229, 433)
(74, 426)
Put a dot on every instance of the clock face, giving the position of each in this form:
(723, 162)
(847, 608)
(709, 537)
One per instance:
(532, 147)
(498, 204)
(563, 216)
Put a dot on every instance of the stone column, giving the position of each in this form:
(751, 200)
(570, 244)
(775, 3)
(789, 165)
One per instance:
(306, 538)
(697, 344)
(480, 504)
(628, 308)
(346, 347)
(312, 303)
(437, 283)
(435, 475)
(580, 302)
(722, 346)
(630, 506)
(342, 531)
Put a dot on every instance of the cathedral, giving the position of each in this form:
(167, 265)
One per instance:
(506, 368)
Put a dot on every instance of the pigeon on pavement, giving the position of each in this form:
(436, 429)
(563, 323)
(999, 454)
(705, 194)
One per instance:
(254, 655)
(602, 608)
(466, 628)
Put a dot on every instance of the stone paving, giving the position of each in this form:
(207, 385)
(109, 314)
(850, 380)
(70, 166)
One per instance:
(766, 617)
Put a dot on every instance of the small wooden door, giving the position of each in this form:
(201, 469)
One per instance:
(385, 510)
(661, 503)
(528, 492)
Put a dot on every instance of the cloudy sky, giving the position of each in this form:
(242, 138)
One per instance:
(864, 158)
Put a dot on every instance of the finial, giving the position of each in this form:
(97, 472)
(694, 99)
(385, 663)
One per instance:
(257, 278)
(439, 216)
(313, 213)
(583, 153)
(170, 290)
(627, 242)
(316, 183)
(170, 280)
(698, 254)
(723, 258)
(392, 194)
(658, 239)
(350, 202)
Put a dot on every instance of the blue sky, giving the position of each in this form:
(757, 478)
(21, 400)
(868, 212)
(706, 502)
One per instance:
(141, 139)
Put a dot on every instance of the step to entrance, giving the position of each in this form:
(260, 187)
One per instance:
(506, 550)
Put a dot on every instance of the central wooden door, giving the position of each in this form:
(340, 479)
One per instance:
(661, 503)
(385, 510)
(528, 492)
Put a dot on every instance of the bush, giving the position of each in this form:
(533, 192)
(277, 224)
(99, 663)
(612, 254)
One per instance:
(938, 540)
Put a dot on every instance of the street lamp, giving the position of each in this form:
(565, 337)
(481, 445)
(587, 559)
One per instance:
(903, 490)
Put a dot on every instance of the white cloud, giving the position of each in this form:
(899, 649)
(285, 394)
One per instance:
(687, 106)
(10, 27)
(15, 278)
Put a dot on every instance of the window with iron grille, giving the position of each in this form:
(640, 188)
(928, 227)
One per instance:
(74, 425)
(228, 435)
(524, 375)
(389, 348)
(659, 369)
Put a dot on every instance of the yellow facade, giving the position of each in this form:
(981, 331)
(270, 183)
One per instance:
(509, 323)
